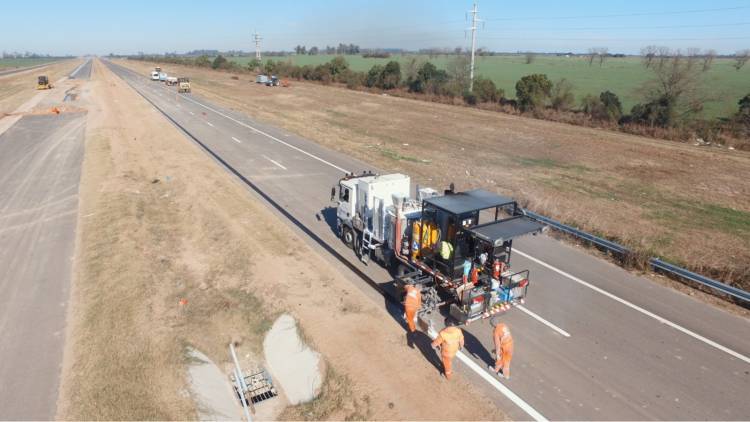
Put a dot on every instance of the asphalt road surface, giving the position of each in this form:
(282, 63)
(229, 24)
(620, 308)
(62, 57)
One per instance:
(40, 163)
(83, 71)
(593, 342)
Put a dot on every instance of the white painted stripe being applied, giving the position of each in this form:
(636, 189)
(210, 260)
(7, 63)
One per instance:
(269, 136)
(501, 387)
(543, 321)
(275, 162)
(236, 140)
(638, 308)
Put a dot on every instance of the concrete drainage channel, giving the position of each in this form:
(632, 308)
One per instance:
(294, 376)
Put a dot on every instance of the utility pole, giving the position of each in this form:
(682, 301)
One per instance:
(473, 28)
(257, 39)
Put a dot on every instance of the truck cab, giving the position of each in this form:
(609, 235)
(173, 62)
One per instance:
(154, 75)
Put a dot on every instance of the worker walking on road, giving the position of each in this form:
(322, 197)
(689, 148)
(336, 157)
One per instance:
(450, 340)
(503, 349)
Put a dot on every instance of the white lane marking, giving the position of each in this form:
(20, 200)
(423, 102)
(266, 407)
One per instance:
(269, 136)
(236, 140)
(191, 113)
(638, 308)
(501, 387)
(275, 162)
(543, 321)
(209, 123)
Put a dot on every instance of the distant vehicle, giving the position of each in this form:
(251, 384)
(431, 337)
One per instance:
(272, 81)
(162, 76)
(183, 85)
(267, 80)
(154, 76)
(261, 79)
(171, 80)
(43, 83)
(157, 68)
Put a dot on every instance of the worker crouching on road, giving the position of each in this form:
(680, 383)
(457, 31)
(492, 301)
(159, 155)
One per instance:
(450, 340)
(503, 349)
(412, 303)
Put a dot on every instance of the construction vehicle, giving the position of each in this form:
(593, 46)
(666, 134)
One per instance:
(183, 85)
(261, 79)
(43, 83)
(170, 81)
(456, 246)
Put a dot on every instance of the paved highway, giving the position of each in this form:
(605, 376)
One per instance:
(594, 342)
(40, 161)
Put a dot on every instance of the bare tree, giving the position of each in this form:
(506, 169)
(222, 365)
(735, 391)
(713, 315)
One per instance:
(740, 58)
(693, 55)
(603, 52)
(530, 57)
(708, 59)
(675, 92)
(649, 54)
(457, 51)
(663, 55)
(591, 55)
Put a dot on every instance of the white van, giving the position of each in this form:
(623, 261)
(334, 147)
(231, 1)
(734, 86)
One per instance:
(154, 76)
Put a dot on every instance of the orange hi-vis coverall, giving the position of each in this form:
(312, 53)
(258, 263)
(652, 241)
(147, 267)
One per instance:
(412, 303)
(503, 348)
(450, 340)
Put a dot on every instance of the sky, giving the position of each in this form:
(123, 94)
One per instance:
(126, 27)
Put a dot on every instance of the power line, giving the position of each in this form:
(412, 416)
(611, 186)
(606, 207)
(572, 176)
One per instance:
(630, 27)
(622, 15)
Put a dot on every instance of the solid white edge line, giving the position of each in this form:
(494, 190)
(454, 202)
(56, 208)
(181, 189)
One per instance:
(543, 321)
(236, 140)
(210, 124)
(638, 308)
(275, 162)
(501, 387)
(269, 136)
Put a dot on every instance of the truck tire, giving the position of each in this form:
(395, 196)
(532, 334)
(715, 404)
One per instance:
(347, 236)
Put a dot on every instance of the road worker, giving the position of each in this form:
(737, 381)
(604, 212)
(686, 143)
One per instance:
(450, 340)
(412, 303)
(503, 349)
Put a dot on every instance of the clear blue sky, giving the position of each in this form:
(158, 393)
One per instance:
(100, 27)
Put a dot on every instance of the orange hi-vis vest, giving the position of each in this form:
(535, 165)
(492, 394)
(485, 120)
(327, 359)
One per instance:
(503, 339)
(452, 337)
(413, 298)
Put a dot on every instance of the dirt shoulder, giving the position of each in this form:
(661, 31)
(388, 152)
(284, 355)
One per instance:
(161, 222)
(16, 89)
(688, 204)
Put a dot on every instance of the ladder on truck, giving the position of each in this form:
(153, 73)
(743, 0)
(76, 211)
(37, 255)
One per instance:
(366, 246)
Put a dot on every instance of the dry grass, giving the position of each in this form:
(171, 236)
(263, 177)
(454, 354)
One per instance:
(687, 204)
(18, 88)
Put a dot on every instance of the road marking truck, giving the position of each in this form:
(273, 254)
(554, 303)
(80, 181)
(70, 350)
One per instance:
(455, 246)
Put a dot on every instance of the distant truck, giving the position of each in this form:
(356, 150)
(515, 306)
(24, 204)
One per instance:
(154, 75)
(267, 80)
(162, 77)
(171, 81)
(183, 85)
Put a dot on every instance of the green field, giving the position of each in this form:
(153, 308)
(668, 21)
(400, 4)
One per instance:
(623, 76)
(10, 63)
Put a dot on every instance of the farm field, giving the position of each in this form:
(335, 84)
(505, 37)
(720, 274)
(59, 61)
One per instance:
(11, 63)
(623, 76)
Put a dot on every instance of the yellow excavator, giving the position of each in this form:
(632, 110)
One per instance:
(43, 83)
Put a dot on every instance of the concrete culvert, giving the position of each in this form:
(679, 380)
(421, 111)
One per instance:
(293, 365)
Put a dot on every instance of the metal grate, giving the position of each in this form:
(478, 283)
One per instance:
(259, 386)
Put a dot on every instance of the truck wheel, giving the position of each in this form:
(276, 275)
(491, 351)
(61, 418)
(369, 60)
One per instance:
(347, 236)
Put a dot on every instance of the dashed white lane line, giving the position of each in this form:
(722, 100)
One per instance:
(543, 321)
(275, 162)
(191, 113)
(268, 136)
(236, 140)
(210, 124)
(638, 308)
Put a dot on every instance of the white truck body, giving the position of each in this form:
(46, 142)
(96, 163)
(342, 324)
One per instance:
(368, 199)
(261, 79)
(154, 75)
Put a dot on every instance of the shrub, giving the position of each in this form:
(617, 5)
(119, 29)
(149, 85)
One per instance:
(658, 112)
(562, 97)
(219, 62)
(203, 61)
(486, 91)
(470, 98)
(374, 76)
(391, 76)
(425, 75)
(533, 91)
(612, 108)
(354, 79)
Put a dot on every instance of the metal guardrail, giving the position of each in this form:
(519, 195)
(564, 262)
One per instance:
(656, 263)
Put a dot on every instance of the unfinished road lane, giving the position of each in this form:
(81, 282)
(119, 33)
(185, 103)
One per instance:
(618, 362)
(40, 167)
